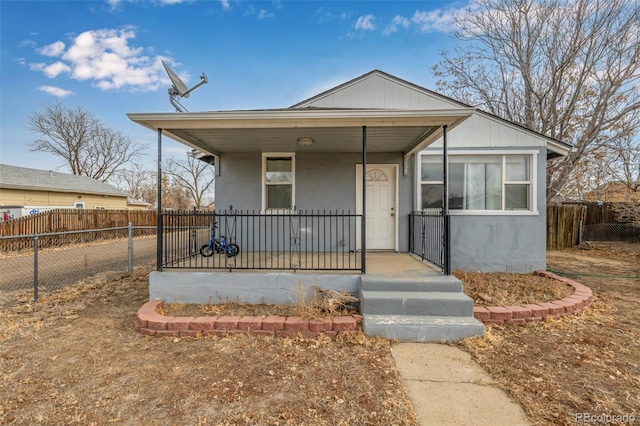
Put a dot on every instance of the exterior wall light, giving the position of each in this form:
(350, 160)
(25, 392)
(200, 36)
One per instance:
(305, 141)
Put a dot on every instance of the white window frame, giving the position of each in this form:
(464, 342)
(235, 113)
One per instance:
(532, 182)
(265, 156)
(79, 205)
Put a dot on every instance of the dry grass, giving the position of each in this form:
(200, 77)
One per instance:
(74, 358)
(586, 363)
(307, 302)
(503, 289)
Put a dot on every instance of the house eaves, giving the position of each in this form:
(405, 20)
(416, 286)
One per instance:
(277, 130)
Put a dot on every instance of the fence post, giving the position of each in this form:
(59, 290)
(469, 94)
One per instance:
(580, 232)
(130, 232)
(35, 269)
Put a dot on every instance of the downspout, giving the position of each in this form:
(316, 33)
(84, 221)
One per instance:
(446, 238)
(363, 232)
(159, 215)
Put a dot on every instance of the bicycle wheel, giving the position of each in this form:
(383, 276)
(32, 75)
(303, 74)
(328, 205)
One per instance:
(206, 250)
(233, 250)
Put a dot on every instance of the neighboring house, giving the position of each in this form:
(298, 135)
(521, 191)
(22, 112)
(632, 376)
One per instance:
(25, 191)
(291, 166)
(615, 192)
(133, 204)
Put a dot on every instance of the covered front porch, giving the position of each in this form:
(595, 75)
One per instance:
(331, 182)
(311, 192)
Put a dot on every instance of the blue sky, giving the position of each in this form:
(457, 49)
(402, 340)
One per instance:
(105, 56)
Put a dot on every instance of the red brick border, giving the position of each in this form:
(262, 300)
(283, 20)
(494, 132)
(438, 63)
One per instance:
(149, 322)
(522, 314)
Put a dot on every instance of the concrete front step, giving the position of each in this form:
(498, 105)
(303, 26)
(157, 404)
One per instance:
(433, 303)
(410, 282)
(415, 328)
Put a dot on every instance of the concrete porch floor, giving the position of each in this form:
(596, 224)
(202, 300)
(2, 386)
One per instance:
(378, 262)
(394, 263)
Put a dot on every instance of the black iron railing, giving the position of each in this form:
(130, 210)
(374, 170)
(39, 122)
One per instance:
(428, 237)
(296, 240)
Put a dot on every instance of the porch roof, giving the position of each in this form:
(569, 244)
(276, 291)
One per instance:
(277, 130)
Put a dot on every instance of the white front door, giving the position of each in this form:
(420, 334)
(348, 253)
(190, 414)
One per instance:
(381, 206)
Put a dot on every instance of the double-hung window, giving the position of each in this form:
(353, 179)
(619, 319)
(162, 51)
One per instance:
(278, 176)
(480, 182)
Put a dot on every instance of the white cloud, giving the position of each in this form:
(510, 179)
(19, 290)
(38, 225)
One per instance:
(398, 21)
(263, 14)
(366, 23)
(225, 4)
(53, 49)
(55, 91)
(106, 58)
(55, 69)
(437, 20)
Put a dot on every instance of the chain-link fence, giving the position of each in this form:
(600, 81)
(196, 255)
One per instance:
(33, 264)
(611, 232)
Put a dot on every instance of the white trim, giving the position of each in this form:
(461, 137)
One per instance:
(266, 155)
(396, 171)
(458, 212)
(79, 205)
(533, 181)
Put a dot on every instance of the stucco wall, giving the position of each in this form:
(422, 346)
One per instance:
(324, 181)
(504, 243)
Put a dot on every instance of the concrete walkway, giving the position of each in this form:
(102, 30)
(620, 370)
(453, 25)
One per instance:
(448, 388)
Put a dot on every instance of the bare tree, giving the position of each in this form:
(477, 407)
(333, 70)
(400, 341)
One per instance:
(86, 145)
(625, 167)
(568, 69)
(138, 182)
(195, 177)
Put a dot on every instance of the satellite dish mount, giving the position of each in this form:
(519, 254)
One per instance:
(179, 90)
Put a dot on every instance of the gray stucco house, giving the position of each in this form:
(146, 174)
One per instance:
(293, 179)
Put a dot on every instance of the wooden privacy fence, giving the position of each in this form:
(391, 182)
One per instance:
(64, 220)
(563, 225)
(57, 228)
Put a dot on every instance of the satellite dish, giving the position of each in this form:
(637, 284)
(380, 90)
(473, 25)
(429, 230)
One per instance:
(179, 89)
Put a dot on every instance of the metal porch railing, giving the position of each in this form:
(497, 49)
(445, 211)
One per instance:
(296, 240)
(428, 237)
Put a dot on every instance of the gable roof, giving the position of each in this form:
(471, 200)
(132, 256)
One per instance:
(556, 146)
(14, 177)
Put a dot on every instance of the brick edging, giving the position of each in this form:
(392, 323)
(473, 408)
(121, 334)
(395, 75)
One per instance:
(149, 322)
(520, 314)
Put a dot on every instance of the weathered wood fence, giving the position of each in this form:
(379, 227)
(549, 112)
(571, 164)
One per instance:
(57, 228)
(64, 220)
(563, 225)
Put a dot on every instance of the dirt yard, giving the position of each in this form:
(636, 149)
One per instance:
(586, 364)
(75, 359)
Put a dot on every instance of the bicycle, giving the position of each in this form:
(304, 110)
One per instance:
(219, 246)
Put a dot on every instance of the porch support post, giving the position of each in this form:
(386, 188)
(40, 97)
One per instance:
(363, 232)
(446, 238)
(159, 215)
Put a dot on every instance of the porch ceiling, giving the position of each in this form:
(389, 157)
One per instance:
(406, 131)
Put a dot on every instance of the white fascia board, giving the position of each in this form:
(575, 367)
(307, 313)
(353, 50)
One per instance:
(299, 119)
